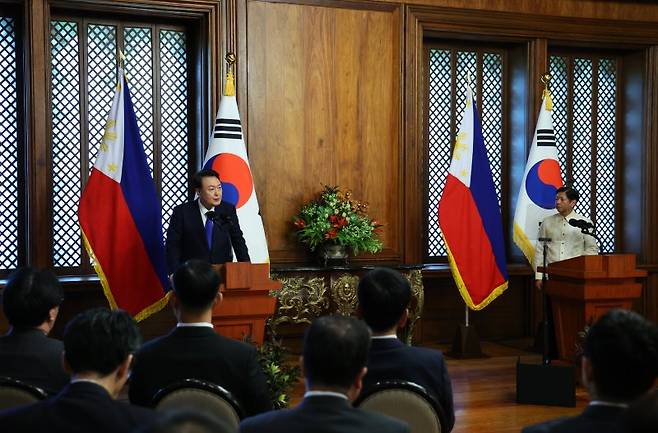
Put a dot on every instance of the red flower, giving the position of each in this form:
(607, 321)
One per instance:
(300, 224)
(331, 234)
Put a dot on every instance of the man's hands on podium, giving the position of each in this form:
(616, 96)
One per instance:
(538, 284)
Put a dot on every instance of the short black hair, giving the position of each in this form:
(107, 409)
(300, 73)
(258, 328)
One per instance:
(188, 421)
(199, 175)
(622, 347)
(196, 284)
(570, 192)
(99, 340)
(335, 350)
(29, 295)
(383, 296)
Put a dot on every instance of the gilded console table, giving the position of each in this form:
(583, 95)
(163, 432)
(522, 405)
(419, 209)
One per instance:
(310, 292)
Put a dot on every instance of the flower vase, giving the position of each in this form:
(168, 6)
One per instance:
(334, 253)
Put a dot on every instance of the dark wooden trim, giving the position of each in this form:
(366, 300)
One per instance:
(650, 238)
(561, 29)
(342, 4)
(39, 149)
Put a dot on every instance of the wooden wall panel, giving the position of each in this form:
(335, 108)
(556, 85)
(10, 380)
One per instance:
(323, 109)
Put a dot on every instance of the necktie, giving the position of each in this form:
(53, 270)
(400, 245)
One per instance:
(209, 225)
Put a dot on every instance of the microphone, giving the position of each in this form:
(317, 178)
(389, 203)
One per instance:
(211, 215)
(218, 218)
(581, 224)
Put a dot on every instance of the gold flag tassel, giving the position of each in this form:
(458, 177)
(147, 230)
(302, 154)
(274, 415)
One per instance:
(229, 88)
(545, 79)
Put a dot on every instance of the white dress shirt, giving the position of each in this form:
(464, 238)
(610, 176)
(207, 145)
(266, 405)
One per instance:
(566, 241)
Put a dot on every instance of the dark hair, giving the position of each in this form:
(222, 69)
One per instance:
(383, 296)
(570, 192)
(622, 347)
(196, 284)
(335, 350)
(29, 295)
(99, 340)
(188, 421)
(199, 175)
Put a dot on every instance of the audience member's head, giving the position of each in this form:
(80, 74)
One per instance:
(186, 421)
(384, 295)
(32, 298)
(620, 360)
(335, 354)
(99, 344)
(196, 286)
(642, 415)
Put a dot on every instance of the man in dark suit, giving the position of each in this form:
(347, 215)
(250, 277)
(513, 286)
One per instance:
(384, 297)
(98, 348)
(195, 234)
(333, 363)
(31, 303)
(619, 365)
(194, 350)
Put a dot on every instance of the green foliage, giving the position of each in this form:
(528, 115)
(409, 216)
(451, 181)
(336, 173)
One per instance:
(336, 218)
(281, 376)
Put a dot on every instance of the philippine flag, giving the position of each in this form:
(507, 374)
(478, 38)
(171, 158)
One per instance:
(121, 218)
(541, 179)
(470, 219)
(227, 155)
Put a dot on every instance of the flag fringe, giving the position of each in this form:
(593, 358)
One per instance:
(146, 312)
(522, 241)
(466, 296)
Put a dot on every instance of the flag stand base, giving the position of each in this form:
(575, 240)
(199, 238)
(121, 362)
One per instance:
(466, 344)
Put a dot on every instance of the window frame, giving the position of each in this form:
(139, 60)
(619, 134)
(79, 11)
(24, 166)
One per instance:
(195, 119)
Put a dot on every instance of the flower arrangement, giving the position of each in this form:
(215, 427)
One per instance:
(336, 218)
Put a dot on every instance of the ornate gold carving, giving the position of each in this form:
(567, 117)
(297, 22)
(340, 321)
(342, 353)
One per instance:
(343, 293)
(300, 300)
(415, 278)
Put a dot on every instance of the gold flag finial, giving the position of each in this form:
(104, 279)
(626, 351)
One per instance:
(545, 79)
(229, 88)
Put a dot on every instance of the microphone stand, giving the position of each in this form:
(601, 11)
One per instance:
(544, 278)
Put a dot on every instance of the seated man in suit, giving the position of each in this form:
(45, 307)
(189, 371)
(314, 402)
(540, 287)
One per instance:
(333, 364)
(384, 296)
(619, 365)
(194, 350)
(31, 302)
(195, 233)
(98, 348)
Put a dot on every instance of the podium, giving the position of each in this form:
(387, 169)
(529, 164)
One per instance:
(584, 288)
(248, 300)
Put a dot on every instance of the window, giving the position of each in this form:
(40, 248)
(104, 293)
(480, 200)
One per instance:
(10, 146)
(448, 70)
(585, 119)
(83, 73)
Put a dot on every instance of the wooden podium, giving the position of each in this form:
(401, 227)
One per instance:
(584, 288)
(247, 302)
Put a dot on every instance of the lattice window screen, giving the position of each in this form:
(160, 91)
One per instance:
(448, 72)
(66, 142)
(101, 82)
(8, 145)
(588, 152)
(139, 68)
(606, 153)
(78, 123)
(173, 94)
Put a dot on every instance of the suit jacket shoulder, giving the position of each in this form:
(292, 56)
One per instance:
(199, 353)
(326, 415)
(599, 419)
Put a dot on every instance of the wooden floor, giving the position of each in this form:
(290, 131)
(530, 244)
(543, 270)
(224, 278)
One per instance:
(485, 393)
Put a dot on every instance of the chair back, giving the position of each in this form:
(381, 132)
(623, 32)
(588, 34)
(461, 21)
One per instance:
(200, 396)
(406, 401)
(14, 392)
